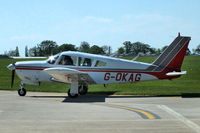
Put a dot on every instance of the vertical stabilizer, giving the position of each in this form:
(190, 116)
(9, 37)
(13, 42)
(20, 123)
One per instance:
(172, 57)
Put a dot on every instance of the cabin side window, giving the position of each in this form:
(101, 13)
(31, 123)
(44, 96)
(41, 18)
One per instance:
(85, 62)
(68, 60)
(100, 63)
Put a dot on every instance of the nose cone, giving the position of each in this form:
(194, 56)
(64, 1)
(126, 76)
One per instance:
(11, 67)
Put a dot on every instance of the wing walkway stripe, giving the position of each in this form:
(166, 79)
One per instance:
(142, 113)
(181, 118)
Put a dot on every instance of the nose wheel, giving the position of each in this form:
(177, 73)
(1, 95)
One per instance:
(22, 92)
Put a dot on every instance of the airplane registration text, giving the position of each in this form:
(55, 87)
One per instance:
(123, 77)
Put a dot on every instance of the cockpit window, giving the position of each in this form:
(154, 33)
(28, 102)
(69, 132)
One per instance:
(100, 64)
(85, 62)
(68, 60)
(52, 59)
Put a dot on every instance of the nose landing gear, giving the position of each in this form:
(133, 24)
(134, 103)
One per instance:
(22, 90)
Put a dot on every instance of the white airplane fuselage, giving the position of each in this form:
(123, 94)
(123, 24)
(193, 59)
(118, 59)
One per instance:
(80, 69)
(31, 72)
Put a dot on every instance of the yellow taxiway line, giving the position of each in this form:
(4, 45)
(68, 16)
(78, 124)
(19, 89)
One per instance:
(144, 114)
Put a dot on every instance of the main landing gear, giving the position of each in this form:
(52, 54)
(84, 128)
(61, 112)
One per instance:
(81, 90)
(71, 95)
(22, 90)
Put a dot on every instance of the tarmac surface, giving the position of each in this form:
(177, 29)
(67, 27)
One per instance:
(55, 112)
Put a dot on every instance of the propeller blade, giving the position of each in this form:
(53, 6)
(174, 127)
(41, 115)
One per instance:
(13, 78)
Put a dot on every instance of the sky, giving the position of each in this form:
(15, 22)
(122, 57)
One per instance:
(99, 22)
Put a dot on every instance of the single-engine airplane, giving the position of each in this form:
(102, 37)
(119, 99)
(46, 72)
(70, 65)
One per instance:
(80, 69)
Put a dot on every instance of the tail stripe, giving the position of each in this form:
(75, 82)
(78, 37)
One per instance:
(172, 54)
(167, 51)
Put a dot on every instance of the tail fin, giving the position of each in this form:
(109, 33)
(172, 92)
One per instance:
(172, 58)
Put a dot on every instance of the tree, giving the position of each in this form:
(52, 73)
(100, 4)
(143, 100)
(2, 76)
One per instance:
(96, 50)
(153, 50)
(84, 47)
(67, 47)
(120, 50)
(46, 48)
(188, 52)
(127, 46)
(26, 51)
(163, 48)
(139, 47)
(33, 52)
(17, 51)
(10, 53)
(158, 51)
(107, 49)
(197, 50)
(136, 48)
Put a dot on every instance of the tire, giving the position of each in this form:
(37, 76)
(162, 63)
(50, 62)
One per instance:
(70, 95)
(82, 90)
(22, 92)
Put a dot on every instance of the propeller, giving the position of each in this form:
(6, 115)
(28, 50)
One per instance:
(13, 78)
(12, 68)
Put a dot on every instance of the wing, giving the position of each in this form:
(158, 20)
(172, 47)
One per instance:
(67, 75)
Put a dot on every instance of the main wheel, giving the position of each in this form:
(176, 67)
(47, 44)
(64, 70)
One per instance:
(22, 92)
(72, 95)
(82, 90)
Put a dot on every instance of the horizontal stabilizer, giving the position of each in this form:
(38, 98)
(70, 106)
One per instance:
(176, 73)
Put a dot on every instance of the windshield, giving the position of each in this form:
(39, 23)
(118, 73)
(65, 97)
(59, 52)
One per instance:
(52, 59)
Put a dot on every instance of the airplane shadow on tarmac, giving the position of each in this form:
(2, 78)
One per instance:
(101, 97)
(97, 98)
(91, 97)
(80, 99)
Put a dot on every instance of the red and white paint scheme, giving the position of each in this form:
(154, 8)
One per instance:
(80, 69)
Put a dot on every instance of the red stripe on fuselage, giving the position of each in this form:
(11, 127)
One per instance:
(159, 75)
(29, 68)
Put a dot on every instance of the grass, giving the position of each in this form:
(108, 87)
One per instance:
(189, 83)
